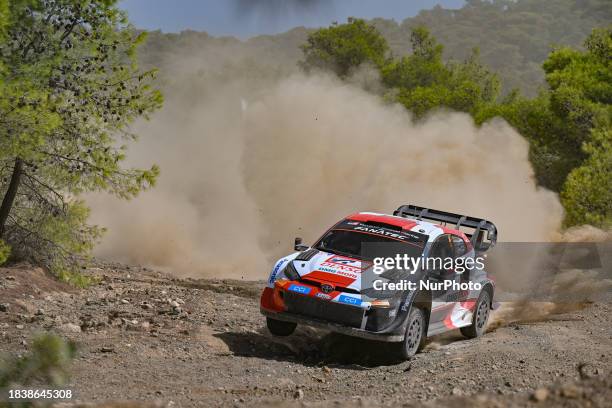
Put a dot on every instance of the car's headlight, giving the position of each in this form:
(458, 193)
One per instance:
(290, 272)
(381, 303)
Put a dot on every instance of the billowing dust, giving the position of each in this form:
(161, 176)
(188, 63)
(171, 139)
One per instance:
(245, 169)
(254, 153)
(559, 286)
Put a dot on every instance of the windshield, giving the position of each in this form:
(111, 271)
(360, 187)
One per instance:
(357, 240)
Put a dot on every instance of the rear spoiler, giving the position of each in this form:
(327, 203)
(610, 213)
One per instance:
(482, 233)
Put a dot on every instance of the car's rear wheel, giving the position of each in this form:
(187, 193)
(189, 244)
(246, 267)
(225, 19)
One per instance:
(414, 339)
(482, 311)
(280, 328)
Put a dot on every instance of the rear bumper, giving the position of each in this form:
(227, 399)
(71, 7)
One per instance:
(334, 327)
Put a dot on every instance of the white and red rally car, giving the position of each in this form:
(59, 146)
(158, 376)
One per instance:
(333, 284)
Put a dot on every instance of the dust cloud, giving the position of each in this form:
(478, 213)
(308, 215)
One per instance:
(249, 163)
(552, 281)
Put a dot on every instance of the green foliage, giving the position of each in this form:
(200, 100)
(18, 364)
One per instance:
(52, 240)
(71, 87)
(425, 82)
(343, 47)
(421, 81)
(3, 17)
(47, 363)
(74, 278)
(514, 37)
(581, 85)
(568, 127)
(430, 84)
(581, 97)
(5, 252)
(423, 68)
(552, 153)
(587, 193)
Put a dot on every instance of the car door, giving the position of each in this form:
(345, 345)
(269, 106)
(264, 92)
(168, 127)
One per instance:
(442, 248)
(460, 254)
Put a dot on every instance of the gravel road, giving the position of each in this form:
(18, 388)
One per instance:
(149, 339)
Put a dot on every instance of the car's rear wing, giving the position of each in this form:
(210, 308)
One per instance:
(482, 233)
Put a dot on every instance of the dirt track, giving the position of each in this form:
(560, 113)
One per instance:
(145, 337)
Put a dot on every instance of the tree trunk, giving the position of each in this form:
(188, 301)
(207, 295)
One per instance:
(11, 193)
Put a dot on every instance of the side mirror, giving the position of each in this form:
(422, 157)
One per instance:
(298, 245)
(436, 274)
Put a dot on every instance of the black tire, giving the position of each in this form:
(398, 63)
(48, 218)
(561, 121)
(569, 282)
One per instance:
(482, 312)
(416, 333)
(280, 328)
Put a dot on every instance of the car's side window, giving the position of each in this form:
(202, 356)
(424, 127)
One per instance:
(442, 247)
(459, 246)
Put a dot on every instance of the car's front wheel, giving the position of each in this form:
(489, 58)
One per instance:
(414, 339)
(280, 328)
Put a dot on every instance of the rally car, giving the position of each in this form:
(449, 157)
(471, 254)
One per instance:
(335, 285)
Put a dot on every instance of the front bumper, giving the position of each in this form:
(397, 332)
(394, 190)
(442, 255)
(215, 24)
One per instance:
(306, 308)
(334, 327)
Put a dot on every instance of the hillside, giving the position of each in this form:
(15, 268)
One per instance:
(514, 38)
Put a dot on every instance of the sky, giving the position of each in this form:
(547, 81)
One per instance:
(246, 18)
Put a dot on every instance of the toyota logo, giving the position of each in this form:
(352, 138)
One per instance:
(326, 288)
